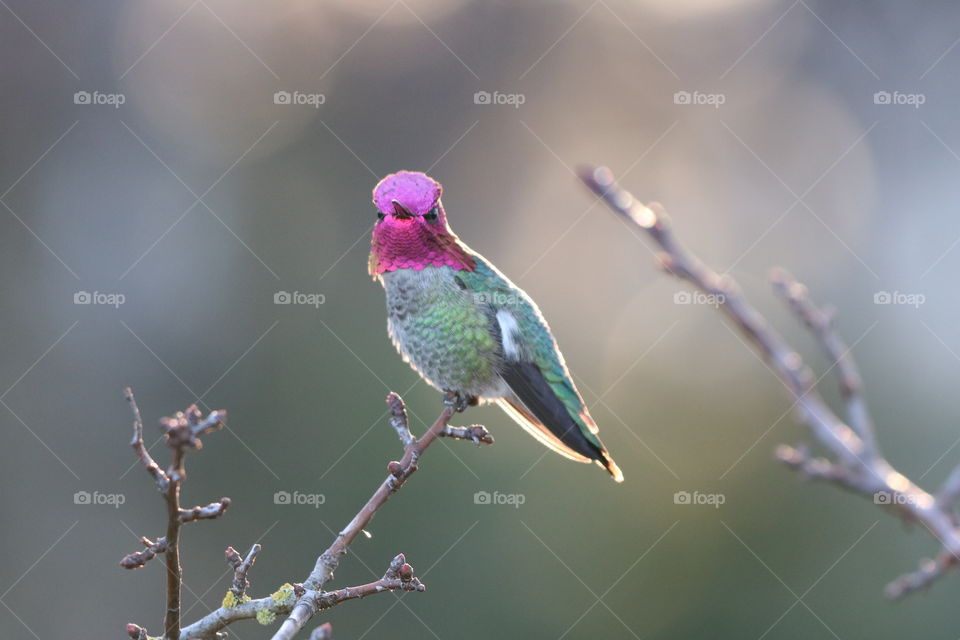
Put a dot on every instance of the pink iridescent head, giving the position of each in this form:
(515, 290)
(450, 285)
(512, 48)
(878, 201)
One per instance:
(412, 230)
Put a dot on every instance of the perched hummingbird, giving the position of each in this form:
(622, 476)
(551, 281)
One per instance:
(466, 329)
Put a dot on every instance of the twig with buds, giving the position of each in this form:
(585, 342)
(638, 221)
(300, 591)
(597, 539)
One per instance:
(399, 472)
(137, 559)
(399, 576)
(299, 602)
(858, 464)
(182, 432)
(241, 567)
(475, 433)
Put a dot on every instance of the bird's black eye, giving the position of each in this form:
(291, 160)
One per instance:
(431, 215)
(381, 215)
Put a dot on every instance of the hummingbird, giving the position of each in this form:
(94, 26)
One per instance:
(466, 328)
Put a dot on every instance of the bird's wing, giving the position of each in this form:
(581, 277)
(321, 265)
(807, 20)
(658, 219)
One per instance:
(544, 399)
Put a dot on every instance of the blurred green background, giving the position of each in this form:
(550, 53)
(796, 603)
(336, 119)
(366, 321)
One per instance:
(200, 197)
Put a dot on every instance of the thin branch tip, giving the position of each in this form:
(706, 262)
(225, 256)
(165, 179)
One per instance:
(241, 567)
(476, 433)
(151, 549)
(399, 420)
(209, 512)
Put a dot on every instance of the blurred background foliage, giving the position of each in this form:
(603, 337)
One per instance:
(799, 166)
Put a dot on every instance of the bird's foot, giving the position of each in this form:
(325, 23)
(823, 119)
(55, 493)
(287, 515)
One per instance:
(459, 401)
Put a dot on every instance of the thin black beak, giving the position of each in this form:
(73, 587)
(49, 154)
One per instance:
(400, 211)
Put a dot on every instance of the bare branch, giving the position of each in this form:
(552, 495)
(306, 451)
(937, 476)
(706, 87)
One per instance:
(859, 464)
(329, 560)
(819, 468)
(300, 602)
(820, 323)
(928, 573)
(398, 419)
(476, 433)
(398, 577)
(182, 432)
(140, 449)
(241, 567)
(950, 491)
(183, 429)
(209, 512)
(137, 559)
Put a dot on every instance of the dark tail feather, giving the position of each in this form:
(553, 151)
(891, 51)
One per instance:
(544, 415)
(527, 381)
